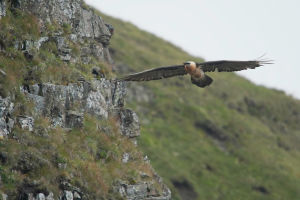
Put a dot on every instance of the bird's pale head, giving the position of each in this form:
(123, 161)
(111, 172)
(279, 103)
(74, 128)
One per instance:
(190, 66)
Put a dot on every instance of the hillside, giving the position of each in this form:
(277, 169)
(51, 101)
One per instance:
(232, 140)
(69, 131)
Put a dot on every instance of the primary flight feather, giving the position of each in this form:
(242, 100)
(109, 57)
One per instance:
(196, 70)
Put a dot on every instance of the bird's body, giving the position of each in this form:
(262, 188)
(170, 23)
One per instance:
(195, 70)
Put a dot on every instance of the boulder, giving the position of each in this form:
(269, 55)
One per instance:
(129, 123)
(6, 122)
(26, 123)
(2, 8)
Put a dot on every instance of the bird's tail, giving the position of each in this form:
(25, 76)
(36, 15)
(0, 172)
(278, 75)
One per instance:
(203, 81)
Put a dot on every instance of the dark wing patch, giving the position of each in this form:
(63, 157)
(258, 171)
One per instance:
(157, 73)
(230, 66)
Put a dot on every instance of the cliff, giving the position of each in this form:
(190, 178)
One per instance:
(65, 132)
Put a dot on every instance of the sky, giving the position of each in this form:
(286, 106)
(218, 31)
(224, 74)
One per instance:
(219, 29)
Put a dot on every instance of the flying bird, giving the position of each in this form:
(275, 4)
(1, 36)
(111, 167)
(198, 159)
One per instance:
(195, 70)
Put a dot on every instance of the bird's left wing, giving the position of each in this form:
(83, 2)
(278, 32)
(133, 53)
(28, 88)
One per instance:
(230, 65)
(157, 73)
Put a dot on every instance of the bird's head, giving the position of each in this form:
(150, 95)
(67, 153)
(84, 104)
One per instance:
(190, 66)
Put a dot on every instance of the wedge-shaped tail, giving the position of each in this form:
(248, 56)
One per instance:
(202, 82)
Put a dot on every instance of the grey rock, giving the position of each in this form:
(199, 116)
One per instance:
(2, 8)
(76, 196)
(110, 28)
(40, 42)
(119, 93)
(146, 159)
(143, 190)
(86, 59)
(97, 50)
(129, 123)
(39, 102)
(94, 49)
(30, 196)
(144, 175)
(100, 98)
(121, 189)
(40, 196)
(96, 29)
(2, 74)
(27, 45)
(85, 24)
(65, 57)
(26, 123)
(34, 89)
(63, 49)
(159, 198)
(62, 165)
(136, 191)
(125, 157)
(17, 45)
(66, 186)
(3, 129)
(6, 122)
(73, 38)
(50, 196)
(60, 42)
(96, 71)
(68, 195)
(74, 119)
(81, 79)
(4, 196)
(10, 124)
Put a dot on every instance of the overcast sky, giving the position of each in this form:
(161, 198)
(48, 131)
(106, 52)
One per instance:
(219, 29)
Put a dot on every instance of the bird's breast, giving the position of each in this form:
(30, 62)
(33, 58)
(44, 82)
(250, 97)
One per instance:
(197, 73)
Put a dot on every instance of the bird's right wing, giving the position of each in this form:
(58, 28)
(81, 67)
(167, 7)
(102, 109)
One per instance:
(157, 73)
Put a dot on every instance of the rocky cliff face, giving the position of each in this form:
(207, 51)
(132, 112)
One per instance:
(67, 107)
(2, 8)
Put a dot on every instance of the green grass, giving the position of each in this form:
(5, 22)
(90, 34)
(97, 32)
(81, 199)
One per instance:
(87, 157)
(227, 141)
(260, 126)
(79, 151)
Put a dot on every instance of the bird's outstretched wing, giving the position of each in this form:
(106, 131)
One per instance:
(230, 65)
(157, 73)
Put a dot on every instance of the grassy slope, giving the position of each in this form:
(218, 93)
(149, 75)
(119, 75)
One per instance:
(232, 140)
(92, 158)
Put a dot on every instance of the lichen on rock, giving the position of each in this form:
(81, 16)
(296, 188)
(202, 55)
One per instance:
(6, 113)
(2, 8)
(83, 22)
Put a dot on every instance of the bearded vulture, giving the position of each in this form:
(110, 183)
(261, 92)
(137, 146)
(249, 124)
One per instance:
(195, 70)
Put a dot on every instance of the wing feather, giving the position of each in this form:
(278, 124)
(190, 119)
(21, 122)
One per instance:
(157, 73)
(230, 65)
